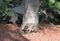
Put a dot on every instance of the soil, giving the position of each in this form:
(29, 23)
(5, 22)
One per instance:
(11, 32)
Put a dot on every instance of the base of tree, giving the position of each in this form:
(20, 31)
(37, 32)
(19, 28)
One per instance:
(29, 28)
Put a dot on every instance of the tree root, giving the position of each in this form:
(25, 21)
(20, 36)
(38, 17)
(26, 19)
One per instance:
(28, 28)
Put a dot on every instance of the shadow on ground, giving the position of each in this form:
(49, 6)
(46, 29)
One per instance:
(9, 33)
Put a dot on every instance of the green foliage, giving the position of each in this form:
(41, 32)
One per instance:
(57, 5)
(9, 11)
(7, 5)
(54, 5)
(50, 2)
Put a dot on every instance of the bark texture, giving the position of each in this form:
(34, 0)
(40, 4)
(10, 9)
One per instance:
(30, 18)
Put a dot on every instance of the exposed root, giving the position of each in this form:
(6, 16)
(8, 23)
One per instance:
(28, 28)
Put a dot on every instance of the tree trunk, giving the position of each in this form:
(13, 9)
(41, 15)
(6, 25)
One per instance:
(30, 18)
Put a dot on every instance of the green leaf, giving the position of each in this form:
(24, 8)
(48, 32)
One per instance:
(51, 2)
(56, 10)
(57, 5)
(9, 11)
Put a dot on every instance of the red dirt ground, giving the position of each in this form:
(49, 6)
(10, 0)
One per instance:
(10, 32)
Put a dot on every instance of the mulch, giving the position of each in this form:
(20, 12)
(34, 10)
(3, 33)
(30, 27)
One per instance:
(10, 32)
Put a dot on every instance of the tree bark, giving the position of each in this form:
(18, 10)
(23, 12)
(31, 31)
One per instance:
(30, 18)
